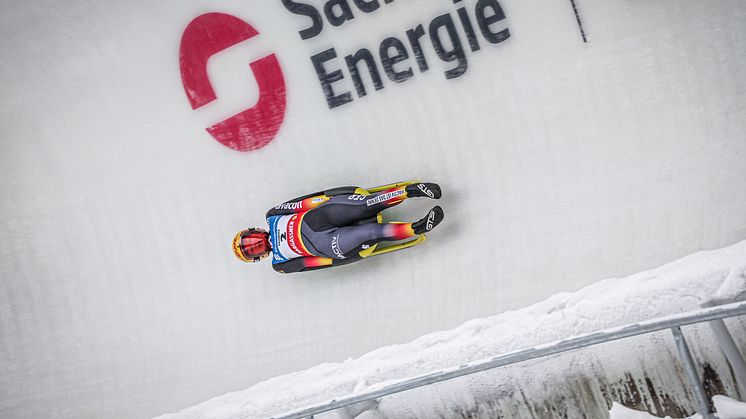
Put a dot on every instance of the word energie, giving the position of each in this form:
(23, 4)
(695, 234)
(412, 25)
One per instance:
(395, 57)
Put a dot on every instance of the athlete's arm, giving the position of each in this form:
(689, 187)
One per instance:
(310, 201)
(310, 263)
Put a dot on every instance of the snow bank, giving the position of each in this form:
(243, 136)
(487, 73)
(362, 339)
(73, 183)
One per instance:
(687, 284)
(728, 408)
(725, 407)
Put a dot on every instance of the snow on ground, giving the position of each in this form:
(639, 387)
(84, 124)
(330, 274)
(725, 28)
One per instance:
(684, 285)
(725, 407)
(728, 408)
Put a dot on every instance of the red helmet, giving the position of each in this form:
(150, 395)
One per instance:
(252, 245)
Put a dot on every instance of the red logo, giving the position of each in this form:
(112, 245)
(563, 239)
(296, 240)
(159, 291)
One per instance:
(252, 128)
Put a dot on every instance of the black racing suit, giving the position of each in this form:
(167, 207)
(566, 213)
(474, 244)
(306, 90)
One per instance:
(333, 227)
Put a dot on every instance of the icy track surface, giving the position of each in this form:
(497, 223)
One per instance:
(685, 285)
(562, 162)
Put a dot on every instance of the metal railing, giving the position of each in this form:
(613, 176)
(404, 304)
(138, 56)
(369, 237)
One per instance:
(714, 315)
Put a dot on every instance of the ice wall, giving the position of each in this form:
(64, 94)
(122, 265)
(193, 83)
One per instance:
(562, 162)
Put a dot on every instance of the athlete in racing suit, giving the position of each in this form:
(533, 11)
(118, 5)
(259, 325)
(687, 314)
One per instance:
(333, 227)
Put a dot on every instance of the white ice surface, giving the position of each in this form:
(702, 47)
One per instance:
(681, 286)
(562, 162)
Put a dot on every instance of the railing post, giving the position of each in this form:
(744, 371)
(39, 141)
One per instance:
(732, 354)
(691, 371)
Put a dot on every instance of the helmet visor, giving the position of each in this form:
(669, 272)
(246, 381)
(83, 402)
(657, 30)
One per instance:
(254, 244)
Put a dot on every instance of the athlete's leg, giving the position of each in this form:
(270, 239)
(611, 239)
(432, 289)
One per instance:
(344, 210)
(350, 240)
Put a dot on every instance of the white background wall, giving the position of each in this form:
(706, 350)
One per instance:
(562, 163)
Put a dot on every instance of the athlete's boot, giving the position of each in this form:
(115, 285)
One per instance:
(430, 190)
(433, 218)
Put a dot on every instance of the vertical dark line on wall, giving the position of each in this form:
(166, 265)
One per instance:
(580, 23)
